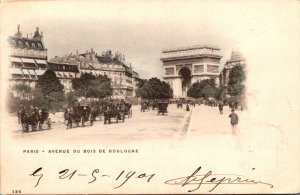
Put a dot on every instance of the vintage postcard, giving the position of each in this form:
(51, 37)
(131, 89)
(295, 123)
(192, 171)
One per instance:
(150, 97)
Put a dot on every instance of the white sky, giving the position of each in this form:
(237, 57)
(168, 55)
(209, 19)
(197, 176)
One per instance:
(142, 29)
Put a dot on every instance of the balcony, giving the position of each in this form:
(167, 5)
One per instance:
(29, 53)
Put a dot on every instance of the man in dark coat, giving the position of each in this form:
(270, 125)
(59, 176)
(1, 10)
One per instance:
(187, 107)
(234, 119)
(221, 107)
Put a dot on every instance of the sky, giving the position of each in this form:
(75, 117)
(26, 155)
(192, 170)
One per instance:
(141, 29)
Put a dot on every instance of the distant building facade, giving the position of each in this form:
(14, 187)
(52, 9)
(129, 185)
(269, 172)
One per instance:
(235, 59)
(185, 66)
(136, 81)
(65, 72)
(28, 59)
(124, 80)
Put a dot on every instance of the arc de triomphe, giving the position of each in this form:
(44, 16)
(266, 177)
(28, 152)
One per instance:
(185, 66)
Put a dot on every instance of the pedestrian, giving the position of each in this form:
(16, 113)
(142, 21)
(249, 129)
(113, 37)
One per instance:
(231, 105)
(234, 121)
(236, 105)
(221, 107)
(187, 107)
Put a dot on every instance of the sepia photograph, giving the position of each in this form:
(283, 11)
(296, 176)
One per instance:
(149, 97)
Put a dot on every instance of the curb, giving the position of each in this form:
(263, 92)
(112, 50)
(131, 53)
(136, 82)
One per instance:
(185, 123)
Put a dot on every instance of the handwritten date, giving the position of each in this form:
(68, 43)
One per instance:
(123, 177)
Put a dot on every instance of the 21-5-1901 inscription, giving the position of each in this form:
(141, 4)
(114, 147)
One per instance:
(192, 182)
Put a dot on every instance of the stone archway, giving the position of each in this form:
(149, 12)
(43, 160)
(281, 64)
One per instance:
(185, 74)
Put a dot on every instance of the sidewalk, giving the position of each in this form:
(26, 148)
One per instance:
(207, 120)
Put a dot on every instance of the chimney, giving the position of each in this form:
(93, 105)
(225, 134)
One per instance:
(42, 35)
(86, 55)
(37, 34)
(18, 34)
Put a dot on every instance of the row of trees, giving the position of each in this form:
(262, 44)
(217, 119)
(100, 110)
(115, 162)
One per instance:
(49, 92)
(154, 89)
(207, 88)
(92, 86)
(236, 83)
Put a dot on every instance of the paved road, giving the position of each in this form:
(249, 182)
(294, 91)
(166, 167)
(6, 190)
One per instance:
(200, 121)
(142, 125)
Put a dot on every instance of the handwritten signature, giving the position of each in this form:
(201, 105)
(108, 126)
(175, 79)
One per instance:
(194, 181)
(210, 178)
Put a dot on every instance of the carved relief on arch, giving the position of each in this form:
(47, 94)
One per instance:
(189, 66)
(178, 67)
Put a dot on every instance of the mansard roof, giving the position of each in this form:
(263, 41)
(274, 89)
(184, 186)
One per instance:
(113, 60)
(108, 60)
(23, 42)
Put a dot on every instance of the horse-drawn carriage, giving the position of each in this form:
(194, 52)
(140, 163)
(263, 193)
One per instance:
(162, 108)
(179, 103)
(114, 111)
(34, 118)
(128, 110)
(153, 104)
(145, 106)
(97, 110)
(78, 114)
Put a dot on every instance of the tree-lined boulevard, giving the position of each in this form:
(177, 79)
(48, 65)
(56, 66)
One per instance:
(48, 96)
(142, 126)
